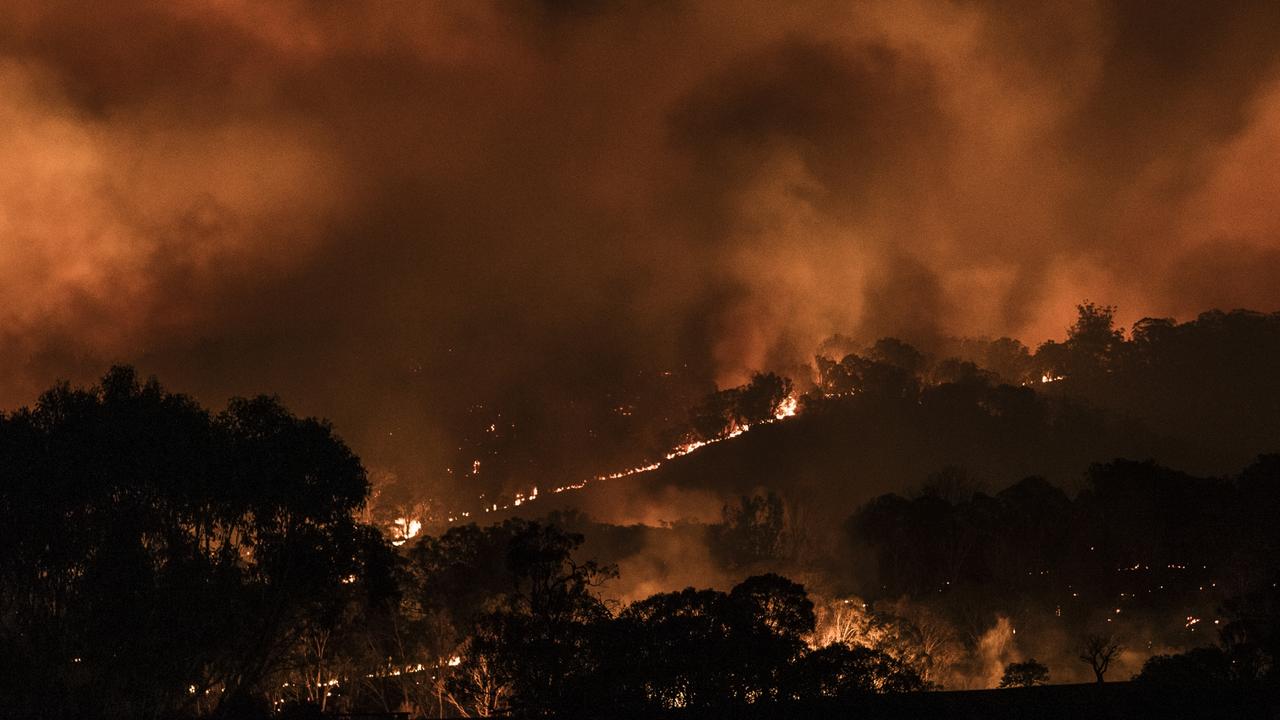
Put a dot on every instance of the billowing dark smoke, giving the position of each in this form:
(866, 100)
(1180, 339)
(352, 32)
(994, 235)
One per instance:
(412, 216)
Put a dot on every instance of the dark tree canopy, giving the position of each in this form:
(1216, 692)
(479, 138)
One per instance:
(708, 649)
(518, 608)
(140, 528)
(1027, 673)
(740, 407)
(752, 531)
(1199, 667)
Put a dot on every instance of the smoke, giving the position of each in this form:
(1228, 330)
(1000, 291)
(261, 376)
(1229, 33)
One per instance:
(394, 214)
(669, 560)
(996, 648)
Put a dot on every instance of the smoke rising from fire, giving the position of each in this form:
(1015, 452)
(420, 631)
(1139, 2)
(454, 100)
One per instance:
(392, 213)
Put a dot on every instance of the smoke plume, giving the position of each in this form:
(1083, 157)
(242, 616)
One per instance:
(393, 214)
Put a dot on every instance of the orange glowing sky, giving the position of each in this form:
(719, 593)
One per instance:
(380, 210)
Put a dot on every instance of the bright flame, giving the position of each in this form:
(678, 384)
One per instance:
(405, 529)
(787, 408)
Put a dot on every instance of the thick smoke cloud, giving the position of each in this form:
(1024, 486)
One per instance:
(390, 213)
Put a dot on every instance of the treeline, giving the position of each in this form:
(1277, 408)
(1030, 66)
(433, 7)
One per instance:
(159, 560)
(1201, 393)
(1032, 537)
(1210, 382)
(155, 557)
(1140, 544)
(531, 637)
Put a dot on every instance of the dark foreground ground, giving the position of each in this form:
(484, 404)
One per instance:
(1111, 700)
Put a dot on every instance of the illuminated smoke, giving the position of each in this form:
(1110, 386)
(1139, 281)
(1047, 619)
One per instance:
(388, 213)
(996, 648)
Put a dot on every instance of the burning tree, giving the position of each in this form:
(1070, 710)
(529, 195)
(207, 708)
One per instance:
(765, 398)
(910, 634)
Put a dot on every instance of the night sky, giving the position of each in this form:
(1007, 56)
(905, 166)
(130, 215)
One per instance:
(392, 213)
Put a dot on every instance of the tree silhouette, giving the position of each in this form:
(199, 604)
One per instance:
(1027, 673)
(726, 410)
(759, 399)
(1199, 667)
(842, 672)
(165, 560)
(751, 531)
(710, 650)
(1093, 345)
(855, 374)
(777, 603)
(896, 353)
(1098, 650)
(514, 607)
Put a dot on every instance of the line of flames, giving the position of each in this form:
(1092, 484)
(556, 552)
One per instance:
(407, 528)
